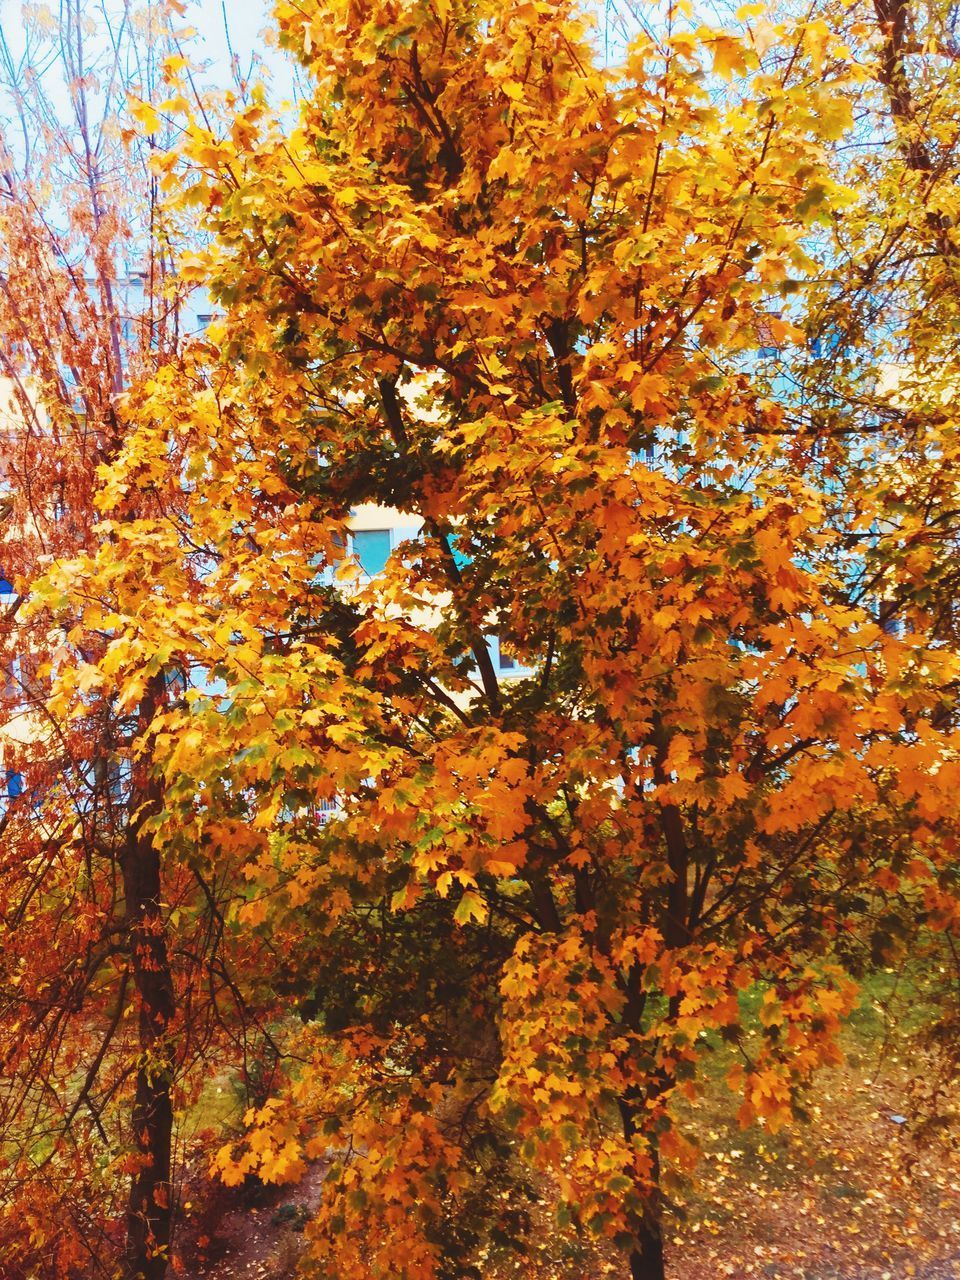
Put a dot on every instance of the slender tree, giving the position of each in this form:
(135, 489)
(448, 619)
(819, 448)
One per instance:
(104, 1010)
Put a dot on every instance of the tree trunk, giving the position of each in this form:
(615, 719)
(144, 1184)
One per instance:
(646, 1260)
(149, 1210)
(646, 1257)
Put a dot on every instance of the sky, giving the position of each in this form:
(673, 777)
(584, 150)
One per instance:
(224, 33)
(234, 33)
(229, 39)
(228, 28)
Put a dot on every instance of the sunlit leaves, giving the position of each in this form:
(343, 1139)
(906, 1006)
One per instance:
(529, 307)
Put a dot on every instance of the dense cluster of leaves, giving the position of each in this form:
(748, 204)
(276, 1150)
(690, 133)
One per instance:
(667, 379)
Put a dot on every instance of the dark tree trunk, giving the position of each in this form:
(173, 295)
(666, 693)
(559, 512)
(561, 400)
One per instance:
(646, 1257)
(149, 1210)
(646, 1260)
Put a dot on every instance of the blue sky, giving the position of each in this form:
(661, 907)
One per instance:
(31, 29)
(225, 26)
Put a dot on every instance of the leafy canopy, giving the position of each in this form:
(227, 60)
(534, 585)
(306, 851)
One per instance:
(532, 302)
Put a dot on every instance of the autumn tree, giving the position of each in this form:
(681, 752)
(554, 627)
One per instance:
(105, 1012)
(595, 328)
(887, 311)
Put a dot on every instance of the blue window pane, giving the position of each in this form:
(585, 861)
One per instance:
(825, 344)
(6, 586)
(14, 784)
(461, 558)
(372, 549)
(504, 659)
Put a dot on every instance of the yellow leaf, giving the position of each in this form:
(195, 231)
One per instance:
(727, 57)
(835, 117)
(470, 907)
(505, 164)
(147, 116)
(504, 869)
(89, 678)
(174, 63)
(253, 913)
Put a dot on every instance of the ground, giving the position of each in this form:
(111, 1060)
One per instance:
(852, 1195)
(862, 1190)
(867, 1188)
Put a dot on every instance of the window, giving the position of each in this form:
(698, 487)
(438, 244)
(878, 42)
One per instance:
(890, 621)
(372, 548)
(13, 784)
(461, 558)
(825, 344)
(109, 779)
(175, 681)
(768, 345)
(6, 586)
(118, 778)
(203, 321)
(18, 680)
(644, 453)
(504, 659)
(325, 809)
(10, 683)
(28, 667)
(508, 660)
